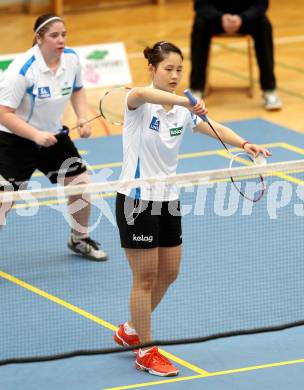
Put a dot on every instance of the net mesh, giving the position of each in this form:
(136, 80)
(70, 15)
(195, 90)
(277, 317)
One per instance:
(242, 266)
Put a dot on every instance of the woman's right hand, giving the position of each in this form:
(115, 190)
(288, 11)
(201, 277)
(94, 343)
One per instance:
(45, 139)
(198, 109)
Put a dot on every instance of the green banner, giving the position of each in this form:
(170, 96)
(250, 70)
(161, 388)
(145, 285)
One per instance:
(4, 64)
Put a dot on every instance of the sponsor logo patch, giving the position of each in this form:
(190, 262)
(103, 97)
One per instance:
(142, 238)
(44, 92)
(176, 131)
(154, 125)
(66, 91)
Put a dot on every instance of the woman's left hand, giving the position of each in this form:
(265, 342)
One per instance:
(255, 150)
(84, 129)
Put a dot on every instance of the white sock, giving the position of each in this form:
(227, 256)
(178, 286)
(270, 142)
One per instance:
(128, 329)
(143, 352)
(78, 236)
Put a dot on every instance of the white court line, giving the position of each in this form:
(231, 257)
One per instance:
(277, 41)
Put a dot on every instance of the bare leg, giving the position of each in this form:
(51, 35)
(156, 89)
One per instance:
(6, 206)
(168, 269)
(4, 209)
(79, 206)
(144, 264)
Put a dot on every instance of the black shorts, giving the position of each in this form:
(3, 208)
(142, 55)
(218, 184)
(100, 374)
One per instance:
(20, 157)
(146, 224)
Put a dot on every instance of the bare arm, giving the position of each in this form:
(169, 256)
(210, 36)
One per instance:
(19, 127)
(228, 136)
(79, 103)
(225, 133)
(143, 95)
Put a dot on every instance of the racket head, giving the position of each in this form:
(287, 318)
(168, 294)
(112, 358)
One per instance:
(251, 186)
(112, 105)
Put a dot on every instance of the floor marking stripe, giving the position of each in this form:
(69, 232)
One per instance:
(210, 374)
(218, 152)
(118, 164)
(254, 368)
(59, 301)
(282, 175)
(90, 316)
(293, 148)
(160, 382)
(182, 362)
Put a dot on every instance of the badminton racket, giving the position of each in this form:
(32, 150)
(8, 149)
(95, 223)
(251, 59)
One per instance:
(251, 187)
(111, 108)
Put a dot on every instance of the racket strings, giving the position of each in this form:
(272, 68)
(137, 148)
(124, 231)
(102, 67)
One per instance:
(250, 186)
(112, 105)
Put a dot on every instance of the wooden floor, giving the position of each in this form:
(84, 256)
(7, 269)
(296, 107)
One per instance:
(143, 25)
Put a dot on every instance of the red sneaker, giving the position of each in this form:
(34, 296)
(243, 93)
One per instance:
(124, 339)
(155, 363)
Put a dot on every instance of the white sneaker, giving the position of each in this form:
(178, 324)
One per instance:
(271, 101)
(87, 248)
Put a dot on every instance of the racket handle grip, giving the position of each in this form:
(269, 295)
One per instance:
(64, 131)
(193, 101)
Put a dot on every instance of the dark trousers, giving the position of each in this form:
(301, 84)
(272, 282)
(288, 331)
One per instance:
(261, 31)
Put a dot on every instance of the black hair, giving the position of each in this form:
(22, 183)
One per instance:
(160, 51)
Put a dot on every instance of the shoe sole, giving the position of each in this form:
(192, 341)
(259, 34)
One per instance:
(87, 256)
(153, 372)
(273, 108)
(121, 342)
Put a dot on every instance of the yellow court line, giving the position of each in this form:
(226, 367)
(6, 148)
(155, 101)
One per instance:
(254, 368)
(159, 382)
(183, 363)
(292, 148)
(284, 176)
(290, 178)
(57, 300)
(90, 316)
(221, 153)
(57, 201)
(210, 374)
(180, 157)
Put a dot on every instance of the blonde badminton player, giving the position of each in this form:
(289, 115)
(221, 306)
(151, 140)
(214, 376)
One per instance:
(33, 93)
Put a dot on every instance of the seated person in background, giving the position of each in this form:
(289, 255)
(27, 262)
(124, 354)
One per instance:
(231, 17)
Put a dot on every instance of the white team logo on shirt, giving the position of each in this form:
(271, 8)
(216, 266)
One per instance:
(44, 92)
(154, 125)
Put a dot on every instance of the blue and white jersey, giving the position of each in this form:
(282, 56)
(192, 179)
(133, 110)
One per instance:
(38, 94)
(151, 142)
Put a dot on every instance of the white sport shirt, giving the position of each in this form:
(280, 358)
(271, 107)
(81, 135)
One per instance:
(38, 95)
(151, 142)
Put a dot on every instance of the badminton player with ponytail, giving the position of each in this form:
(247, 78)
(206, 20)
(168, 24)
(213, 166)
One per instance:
(154, 124)
(33, 93)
